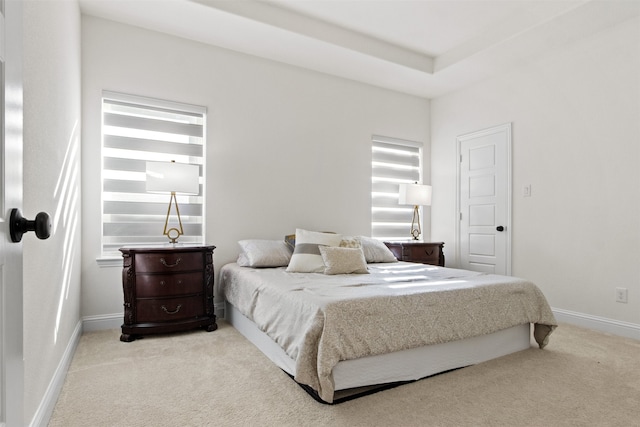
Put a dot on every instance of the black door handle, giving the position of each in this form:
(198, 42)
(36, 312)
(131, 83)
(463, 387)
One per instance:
(500, 228)
(18, 225)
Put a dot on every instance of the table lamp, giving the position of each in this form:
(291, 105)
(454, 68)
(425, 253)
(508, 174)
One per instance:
(416, 195)
(172, 177)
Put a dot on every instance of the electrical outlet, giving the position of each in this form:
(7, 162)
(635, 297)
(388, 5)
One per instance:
(621, 295)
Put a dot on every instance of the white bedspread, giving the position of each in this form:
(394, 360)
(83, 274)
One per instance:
(319, 320)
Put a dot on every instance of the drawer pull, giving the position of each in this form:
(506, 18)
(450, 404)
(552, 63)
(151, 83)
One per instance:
(171, 312)
(170, 265)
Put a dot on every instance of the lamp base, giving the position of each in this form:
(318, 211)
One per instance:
(173, 233)
(415, 224)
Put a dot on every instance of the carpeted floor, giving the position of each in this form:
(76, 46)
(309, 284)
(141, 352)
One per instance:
(582, 378)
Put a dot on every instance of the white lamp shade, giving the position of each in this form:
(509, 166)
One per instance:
(168, 177)
(415, 194)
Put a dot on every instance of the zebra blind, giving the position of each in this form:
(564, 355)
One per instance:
(136, 130)
(393, 162)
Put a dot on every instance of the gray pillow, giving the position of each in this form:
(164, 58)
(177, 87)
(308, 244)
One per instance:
(263, 253)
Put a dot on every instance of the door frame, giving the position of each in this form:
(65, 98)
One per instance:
(505, 127)
(11, 302)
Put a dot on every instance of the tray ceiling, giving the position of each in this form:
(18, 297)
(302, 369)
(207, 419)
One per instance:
(420, 47)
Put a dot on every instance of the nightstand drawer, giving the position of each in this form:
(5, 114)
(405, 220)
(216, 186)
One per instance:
(160, 310)
(414, 251)
(168, 262)
(162, 285)
(423, 254)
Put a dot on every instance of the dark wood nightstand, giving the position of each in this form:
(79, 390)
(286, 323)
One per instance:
(167, 289)
(422, 252)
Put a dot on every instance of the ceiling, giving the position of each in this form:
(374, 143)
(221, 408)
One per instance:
(420, 47)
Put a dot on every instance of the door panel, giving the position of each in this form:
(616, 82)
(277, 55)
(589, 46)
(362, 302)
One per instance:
(482, 157)
(482, 186)
(482, 245)
(480, 215)
(484, 200)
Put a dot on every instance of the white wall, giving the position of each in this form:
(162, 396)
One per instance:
(286, 147)
(576, 133)
(51, 74)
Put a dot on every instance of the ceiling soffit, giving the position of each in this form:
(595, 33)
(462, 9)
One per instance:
(273, 31)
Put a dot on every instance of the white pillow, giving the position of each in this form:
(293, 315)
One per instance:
(375, 250)
(343, 260)
(306, 256)
(263, 253)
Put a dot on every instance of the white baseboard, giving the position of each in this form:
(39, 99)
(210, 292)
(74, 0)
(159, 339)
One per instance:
(47, 405)
(114, 321)
(602, 324)
(102, 322)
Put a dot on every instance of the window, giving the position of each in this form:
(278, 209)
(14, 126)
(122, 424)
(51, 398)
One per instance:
(136, 130)
(393, 162)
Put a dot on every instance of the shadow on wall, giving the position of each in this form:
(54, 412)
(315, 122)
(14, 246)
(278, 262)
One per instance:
(66, 216)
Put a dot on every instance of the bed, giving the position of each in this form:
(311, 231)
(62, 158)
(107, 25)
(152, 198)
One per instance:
(388, 322)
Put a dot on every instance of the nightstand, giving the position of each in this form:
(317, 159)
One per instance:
(167, 289)
(421, 252)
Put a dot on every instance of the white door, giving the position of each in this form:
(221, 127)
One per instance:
(11, 353)
(485, 200)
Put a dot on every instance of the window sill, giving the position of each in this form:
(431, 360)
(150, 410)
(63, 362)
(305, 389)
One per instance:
(109, 262)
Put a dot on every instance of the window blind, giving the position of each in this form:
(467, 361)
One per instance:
(136, 130)
(393, 162)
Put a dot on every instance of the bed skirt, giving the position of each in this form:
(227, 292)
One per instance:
(400, 366)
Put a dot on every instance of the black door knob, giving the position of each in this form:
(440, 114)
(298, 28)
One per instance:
(18, 225)
(500, 228)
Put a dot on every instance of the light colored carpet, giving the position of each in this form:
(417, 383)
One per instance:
(582, 378)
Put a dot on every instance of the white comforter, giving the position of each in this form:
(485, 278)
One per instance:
(319, 320)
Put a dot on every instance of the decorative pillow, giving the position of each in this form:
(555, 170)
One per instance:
(306, 256)
(350, 242)
(263, 253)
(290, 239)
(343, 260)
(375, 250)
